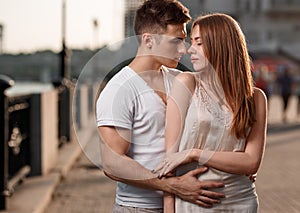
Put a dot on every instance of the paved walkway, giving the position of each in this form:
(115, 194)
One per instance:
(277, 182)
(86, 189)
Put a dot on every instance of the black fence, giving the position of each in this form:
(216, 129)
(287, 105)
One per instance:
(5, 82)
(20, 141)
(64, 116)
(23, 131)
(21, 134)
(89, 97)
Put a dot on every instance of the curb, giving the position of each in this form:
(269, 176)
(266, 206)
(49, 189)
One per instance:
(282, 127)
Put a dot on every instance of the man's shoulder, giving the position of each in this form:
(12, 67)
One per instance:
(123, 74)
(120, 79)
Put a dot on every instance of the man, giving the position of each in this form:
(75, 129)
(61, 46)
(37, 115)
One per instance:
(131, 115)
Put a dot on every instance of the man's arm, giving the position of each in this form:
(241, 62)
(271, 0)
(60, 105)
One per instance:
(115, 144)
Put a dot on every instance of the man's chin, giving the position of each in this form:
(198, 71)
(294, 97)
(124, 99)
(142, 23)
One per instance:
(172, 63)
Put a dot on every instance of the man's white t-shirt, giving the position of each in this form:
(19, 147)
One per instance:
(128, 102)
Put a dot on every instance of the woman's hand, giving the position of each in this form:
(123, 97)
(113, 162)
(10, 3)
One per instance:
(172, 161)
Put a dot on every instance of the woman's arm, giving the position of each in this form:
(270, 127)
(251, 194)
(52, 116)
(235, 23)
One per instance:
(177, 105)
(246, 162)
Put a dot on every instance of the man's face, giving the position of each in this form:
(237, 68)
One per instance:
(170, 46)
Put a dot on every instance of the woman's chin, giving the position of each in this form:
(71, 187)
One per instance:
(199, 69)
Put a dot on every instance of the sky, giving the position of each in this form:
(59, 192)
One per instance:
(32, 25)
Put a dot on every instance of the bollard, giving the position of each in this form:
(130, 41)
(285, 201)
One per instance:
(5, 82)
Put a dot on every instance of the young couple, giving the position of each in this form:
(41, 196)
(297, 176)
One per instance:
(181, 141)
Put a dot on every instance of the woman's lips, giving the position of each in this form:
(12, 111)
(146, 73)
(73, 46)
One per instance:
(193, 60)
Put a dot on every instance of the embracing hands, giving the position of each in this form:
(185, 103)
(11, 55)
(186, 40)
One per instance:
(189, 188)
(172, 161)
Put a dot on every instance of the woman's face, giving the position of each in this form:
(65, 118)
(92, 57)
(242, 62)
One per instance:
(198, 58)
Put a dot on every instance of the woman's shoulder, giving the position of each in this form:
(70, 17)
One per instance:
(260, 97)
(259, 93)
(187, 79)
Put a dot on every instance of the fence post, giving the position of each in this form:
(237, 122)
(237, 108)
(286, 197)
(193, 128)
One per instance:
(5, 82)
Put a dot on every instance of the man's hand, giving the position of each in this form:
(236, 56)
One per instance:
(189, 188)
(253, 177)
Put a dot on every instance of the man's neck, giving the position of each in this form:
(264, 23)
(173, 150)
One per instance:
(151, 73)
(144, 64)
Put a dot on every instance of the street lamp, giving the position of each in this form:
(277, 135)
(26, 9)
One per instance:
(95, 29)
(1, 38)
(65, 53)
(64, 86)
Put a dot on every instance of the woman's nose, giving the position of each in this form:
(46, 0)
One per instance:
(191, 49)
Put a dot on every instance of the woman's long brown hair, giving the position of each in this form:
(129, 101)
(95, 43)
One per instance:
(225, 47)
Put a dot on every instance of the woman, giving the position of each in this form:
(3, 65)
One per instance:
(216, 117)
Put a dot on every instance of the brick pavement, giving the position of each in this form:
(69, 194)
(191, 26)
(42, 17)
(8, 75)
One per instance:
(277, 182)
(86, 189)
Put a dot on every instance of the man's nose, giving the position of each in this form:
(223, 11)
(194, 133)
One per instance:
(183, 47)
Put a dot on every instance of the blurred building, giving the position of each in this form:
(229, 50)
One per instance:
(130, 8)
(269, 25)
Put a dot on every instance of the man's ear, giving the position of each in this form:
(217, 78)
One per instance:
(147, 39)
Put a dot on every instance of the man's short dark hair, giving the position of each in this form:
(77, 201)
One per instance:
(153, 16)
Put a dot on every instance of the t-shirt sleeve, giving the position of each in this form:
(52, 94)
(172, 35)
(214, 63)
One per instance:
(115, 107)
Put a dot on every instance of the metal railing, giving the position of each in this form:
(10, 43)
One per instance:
(64, 115)
(23, 132)
(5, 82)
(18, 141)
